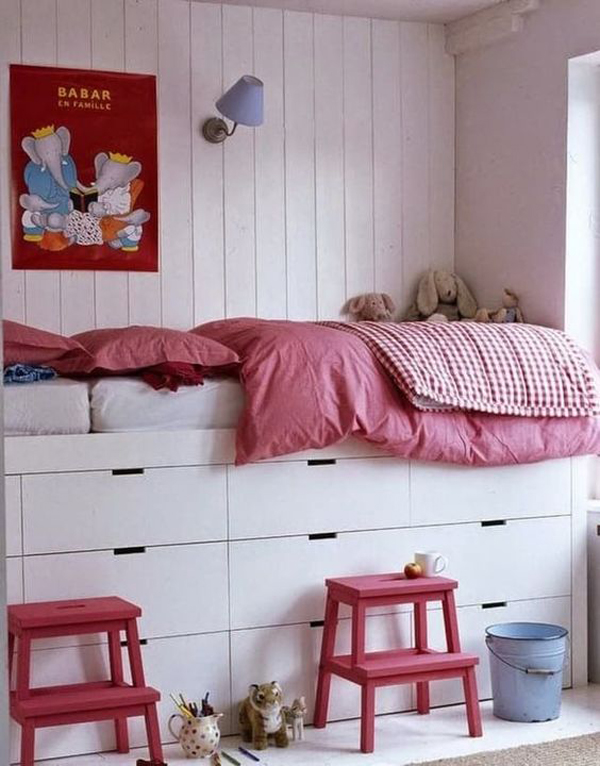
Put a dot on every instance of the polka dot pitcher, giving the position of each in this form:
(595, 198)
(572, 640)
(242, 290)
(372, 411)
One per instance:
(199, 737)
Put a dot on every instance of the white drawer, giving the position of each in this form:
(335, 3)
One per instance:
(290, 655)
(464, 493)
(181, 589)
(301, 497)
(190, 665)
(288, 574)
(101, 509)
(516, 560)
(490, 563)
(473, 620)
(12, 497)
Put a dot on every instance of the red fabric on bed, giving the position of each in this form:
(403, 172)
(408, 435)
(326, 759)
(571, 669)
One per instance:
(172, 375)
(310, 386)
(29, 345)
(129, 349)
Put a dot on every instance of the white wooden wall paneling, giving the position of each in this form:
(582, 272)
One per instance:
(141, 55)
(329, 165)
(13, 282)
(177, 277)
(415, 152)
(300, 165)
(38, 35)
(348, 185)
(207, 164)
(73, 35)
(269, 150)
(358, 153)
(240, 251)
(108, 52)
(441, 149)
(387, 158)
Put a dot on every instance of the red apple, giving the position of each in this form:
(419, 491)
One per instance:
(412, 570)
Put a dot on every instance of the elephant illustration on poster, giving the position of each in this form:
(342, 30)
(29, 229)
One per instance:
(60, 211)
(49, 176)
(111, 216)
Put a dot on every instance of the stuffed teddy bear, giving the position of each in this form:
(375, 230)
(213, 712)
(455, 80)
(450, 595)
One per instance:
(261, 715)
(442, 296)
(372, 307)
(510, 311)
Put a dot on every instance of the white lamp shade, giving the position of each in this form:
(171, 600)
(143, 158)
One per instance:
(243, 102)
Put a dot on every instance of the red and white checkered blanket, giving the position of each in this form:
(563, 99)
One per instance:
(507, 369)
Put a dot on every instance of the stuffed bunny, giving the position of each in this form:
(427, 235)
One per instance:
(444, 295)
(373, 307)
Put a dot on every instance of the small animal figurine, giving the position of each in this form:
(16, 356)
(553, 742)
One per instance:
(261, 716)
(371, 307)
(442, 296)
(294, 717)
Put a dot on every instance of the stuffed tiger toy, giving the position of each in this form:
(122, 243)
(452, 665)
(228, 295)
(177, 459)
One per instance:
(260, 716)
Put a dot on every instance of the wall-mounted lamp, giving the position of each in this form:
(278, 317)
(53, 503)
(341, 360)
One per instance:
(242, 104)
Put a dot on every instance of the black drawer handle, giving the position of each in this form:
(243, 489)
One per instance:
(317, 623)
(323, 536)
(128, 551)
(494, 605)
(128, 471)
(494, 523)
(331, 461)
(143, 642)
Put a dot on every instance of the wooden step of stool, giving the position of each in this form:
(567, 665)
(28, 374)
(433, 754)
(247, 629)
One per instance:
(112, 699)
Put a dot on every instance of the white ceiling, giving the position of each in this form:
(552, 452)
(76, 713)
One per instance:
(441, 11)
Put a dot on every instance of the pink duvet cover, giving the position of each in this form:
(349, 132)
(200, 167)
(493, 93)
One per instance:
(310, 386)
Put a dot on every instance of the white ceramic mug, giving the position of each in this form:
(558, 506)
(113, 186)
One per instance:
(432, 563)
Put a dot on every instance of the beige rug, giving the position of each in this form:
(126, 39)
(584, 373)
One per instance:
(575, 751)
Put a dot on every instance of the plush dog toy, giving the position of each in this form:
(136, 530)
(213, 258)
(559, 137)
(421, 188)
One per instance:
(442, 296)
(261, 715)
(510, 311)
(372, 307)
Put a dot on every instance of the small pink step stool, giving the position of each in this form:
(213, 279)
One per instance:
(81, 703)
(418, 665)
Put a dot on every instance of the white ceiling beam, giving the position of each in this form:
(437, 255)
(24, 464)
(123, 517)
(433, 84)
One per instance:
(488, 26)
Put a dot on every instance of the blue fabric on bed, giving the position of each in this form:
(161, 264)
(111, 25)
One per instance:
(27, 373)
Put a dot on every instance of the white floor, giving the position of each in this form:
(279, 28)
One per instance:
(399, 739)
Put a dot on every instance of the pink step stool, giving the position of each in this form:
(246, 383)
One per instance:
(418, 665)
(81, 703)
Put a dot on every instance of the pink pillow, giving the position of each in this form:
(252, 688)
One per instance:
(28, 345)
(125, 349)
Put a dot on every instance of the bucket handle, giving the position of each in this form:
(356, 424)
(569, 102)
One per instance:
(530, 671)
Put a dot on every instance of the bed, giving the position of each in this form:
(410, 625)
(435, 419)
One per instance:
(139, 511)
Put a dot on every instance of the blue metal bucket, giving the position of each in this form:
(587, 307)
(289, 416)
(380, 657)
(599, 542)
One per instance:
(526, 665)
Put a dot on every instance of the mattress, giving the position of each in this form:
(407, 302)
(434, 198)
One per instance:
(130, 404)
(58, 406)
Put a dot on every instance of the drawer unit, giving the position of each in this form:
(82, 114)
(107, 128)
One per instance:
(491, 564)
(301, 497)
(181, 589)
(290, 655)
(113, 509)
(473, 620)
(500, 492)
(12, 499)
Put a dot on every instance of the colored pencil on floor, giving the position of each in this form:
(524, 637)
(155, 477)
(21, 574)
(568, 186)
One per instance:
(230, 758)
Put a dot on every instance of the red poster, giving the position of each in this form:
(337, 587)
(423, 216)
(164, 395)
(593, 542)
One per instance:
(84, 169)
